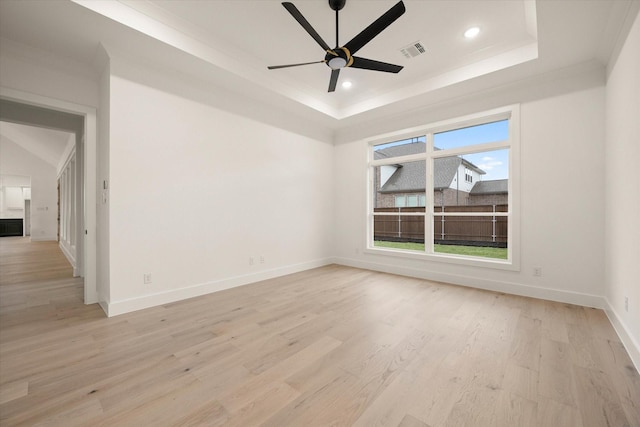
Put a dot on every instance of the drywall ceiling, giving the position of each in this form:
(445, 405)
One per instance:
(47, 144)
(235, 40)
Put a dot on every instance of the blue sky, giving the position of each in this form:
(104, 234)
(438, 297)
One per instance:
(494, 163)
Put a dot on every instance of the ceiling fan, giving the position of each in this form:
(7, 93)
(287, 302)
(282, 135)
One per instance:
(342, 56)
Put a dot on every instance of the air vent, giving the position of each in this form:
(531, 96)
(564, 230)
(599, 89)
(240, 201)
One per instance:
(413, 50)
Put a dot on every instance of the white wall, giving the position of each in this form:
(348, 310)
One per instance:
(622, 268)
(12, 195)
(562, 193)
(195, 192)
(36, 71)
(14, 160)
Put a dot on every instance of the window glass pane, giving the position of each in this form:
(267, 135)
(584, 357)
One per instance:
(412, 200)
(399, 231)
(423, 200)
(479, 179)
(403, 147)
(480, 236)
(488, 132)
(391, 183)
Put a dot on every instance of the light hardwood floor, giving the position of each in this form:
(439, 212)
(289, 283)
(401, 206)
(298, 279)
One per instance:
(331, 346)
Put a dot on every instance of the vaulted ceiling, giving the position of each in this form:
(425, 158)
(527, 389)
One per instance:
(47, 144)
(235, 40)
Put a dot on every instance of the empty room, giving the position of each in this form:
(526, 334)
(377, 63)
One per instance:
(320, 213)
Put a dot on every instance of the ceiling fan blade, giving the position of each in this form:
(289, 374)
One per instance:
(370, 64)
(305, 24)
(275, 67)
(334, 80)
(375, 28)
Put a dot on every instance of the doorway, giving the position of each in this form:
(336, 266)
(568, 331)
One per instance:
(35, 110)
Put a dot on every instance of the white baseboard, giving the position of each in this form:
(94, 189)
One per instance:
(114, 308)
(104, 306)
(630, 344)
(577, 298)
(70, 257)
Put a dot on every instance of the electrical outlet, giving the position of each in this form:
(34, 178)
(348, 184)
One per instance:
(537, 271)
(147, 278)
(251, 260)
(261, 259)
(626, 304)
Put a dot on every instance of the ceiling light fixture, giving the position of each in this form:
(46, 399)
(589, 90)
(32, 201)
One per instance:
(346, 85)
(472, 32)
(337, 63)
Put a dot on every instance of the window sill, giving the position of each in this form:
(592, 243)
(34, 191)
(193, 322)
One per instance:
(446, 258)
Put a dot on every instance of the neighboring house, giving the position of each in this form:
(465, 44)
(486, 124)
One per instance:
(493, 192)
(456, 181)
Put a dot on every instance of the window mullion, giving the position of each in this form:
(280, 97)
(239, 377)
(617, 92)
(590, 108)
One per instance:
(398, 160)
(471, 213)
(471, 149)
(429, 208)
(398, 213)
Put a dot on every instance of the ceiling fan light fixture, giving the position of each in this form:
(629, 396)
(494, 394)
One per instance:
(337, 63)
(472, 33)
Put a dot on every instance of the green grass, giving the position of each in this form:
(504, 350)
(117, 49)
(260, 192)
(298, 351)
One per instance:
(476, 251)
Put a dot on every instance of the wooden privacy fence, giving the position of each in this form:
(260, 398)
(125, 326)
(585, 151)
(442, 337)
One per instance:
(459, 230)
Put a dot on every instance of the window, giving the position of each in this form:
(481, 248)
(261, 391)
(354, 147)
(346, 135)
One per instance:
(468, 176)
(409, 200)
(401, 201)
(446, 192)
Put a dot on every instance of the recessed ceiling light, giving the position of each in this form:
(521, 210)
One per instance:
(346, 85)
(472, 32)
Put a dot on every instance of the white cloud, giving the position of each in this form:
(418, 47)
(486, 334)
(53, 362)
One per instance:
(489, 163)
(495, 164)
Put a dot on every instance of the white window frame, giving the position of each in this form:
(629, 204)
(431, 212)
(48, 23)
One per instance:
(512, 113)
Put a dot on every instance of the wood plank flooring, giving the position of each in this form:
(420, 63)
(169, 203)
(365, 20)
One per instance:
(23, 261)
(333, 346)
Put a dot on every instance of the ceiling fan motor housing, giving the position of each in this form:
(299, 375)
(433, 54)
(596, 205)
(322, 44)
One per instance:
(337, 4)
(338, 58)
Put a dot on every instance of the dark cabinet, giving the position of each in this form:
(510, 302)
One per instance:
(11, 227)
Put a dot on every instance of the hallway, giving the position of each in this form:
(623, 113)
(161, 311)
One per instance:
(35, 274)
